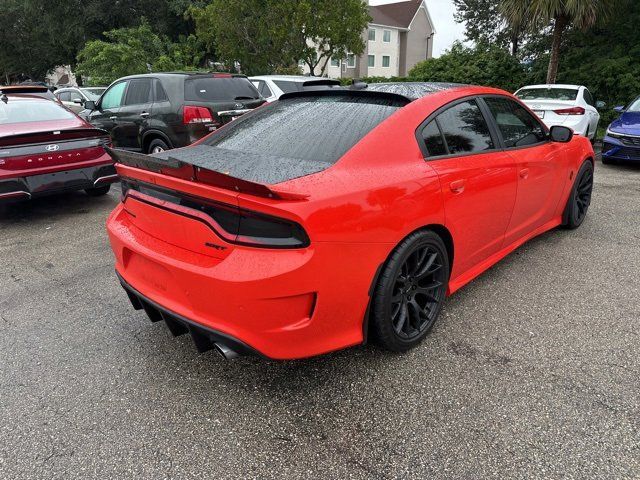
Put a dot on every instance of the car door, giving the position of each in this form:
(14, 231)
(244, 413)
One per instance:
(542, 166)
(133, 116)
(105, 114)
(477, 179)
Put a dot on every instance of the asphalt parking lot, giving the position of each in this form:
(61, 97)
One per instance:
(532, 372)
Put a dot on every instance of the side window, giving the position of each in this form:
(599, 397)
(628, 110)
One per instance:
(75, 96)
(465, 129)
(112, 98)
(588, 98)
(518, 127)
(160, 94)
(139, 91)
(433, 140)
(64, 96)
(265, 91)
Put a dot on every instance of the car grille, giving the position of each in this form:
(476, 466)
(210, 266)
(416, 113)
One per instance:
(610, 150)
(631, 141)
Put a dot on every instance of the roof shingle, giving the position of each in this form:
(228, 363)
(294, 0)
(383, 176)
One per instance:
(398, 14)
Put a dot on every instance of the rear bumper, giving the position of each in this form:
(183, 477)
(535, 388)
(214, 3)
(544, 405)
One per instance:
(284, 304)
(24, 188)
(205, 339)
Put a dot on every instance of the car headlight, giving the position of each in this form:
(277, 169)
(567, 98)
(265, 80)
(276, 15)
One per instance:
(613, 134)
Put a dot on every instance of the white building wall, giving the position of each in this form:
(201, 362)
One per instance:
(379, 48)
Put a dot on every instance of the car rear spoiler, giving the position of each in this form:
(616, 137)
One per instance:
(52, 136)
(174, 167)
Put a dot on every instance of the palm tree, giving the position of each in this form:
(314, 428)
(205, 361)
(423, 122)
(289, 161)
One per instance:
(582, 14)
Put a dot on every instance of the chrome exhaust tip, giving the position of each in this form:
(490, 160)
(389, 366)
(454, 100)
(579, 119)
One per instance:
(225, 351)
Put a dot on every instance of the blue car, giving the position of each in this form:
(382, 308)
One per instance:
(622, 140)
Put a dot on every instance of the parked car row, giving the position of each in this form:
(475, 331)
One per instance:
(235, 238)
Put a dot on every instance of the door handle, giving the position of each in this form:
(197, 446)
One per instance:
(524, 173)
(457, 187)
(144, 114)
(114, 118)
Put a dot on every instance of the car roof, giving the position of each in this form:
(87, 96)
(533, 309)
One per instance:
(554, 85)
(182, 74)
(288, 78)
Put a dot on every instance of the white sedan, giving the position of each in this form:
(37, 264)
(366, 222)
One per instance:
(271, 87)
(571, 106)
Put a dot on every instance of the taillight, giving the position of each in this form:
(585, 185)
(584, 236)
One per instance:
(235, 225)
(193, 114)
(570, 111)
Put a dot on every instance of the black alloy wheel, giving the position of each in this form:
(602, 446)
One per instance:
(580, 197)
(410, 292)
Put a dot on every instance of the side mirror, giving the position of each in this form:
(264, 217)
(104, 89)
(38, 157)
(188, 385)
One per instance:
(561, 134)
(619, 108)
(600, 104)
(77, 101)
(90, 105)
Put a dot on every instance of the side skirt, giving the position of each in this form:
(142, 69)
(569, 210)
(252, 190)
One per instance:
(461, 280)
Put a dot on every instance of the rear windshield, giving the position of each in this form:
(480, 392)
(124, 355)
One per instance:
(317, 128)
(32, 111)
(547, 94)
(212, 89)
(288, 86)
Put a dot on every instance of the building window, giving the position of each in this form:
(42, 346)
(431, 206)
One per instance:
(372, 60)
(335, 62)
(301, 63)
(386, 36)
(372, 34)
(351, 60)
(386, 61)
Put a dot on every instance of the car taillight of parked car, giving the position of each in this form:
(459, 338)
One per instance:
(194, 114)
(570, 111)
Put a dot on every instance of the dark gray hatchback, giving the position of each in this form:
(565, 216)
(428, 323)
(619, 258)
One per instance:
(159, 111)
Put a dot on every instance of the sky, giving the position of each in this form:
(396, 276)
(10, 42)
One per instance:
(447, 30)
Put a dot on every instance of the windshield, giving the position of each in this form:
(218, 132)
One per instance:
(216, 89)
(317, 128)
(93, 93)
(635, 106)
(547, 94)
(32, 111)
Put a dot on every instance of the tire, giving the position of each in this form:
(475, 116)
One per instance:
(410, 291)
(98, 191)
(157, 145)
(580, 197)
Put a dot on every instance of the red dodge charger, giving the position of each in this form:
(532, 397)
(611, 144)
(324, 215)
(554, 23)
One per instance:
(331, 216)
(45, 148)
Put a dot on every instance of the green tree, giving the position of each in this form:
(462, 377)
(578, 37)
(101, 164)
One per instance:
(129, 51)
(481, 65)
(561, 14)
(326, 29)
(484, 23)
(38, 35)
(264, 36)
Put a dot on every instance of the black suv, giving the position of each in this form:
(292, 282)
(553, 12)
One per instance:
(158, 111)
